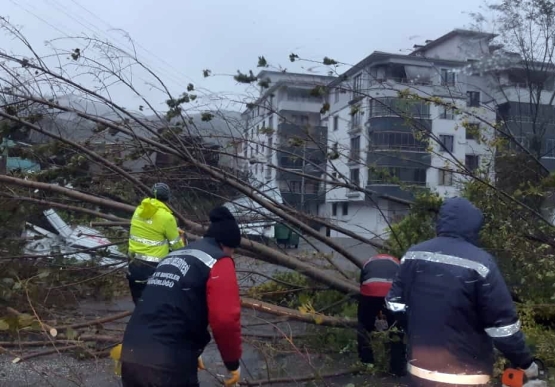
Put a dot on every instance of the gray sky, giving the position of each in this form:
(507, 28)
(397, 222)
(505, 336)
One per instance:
(180, 38)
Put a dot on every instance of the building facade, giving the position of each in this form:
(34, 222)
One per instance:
(285, 142)
(396, 123)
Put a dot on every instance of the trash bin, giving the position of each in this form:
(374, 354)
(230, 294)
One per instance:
(282, 234)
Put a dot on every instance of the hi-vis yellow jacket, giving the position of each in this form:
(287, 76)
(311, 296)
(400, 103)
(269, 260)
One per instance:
(153, 231)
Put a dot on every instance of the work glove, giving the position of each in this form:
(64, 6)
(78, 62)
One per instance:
(115, 354)
(200, 364)
(233, 379)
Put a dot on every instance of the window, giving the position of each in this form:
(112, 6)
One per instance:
(522, 140)
(472, 162)
(356, 120)
(447, 143)
(335, 123)
(419, 176)
(257, 149)
(447, 77)
(395, 107)
(472, 131)
(336, 95)
(445, 177)
(550, 148)
(447, 113)
(334, 175)
(299, 119)
(394, 175)
(357, 85)
(271, 122)
(355, 149)
(335, 148)
(345, 206)
(355, 177)
(473, 99)
(334, 209)
(397, 140)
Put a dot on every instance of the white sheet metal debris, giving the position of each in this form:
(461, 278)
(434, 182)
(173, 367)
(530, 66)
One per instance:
(71, 241)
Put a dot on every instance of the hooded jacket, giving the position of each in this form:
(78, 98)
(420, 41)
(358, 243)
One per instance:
(457, 303)
(153, 231)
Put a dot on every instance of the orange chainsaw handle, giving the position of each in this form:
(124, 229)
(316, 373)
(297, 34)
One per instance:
(513, 377)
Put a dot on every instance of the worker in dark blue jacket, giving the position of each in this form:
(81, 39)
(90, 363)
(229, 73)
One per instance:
(458, 305)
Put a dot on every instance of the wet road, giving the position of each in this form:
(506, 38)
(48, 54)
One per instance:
(63, 370)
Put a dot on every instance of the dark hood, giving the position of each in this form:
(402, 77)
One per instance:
(461, 219)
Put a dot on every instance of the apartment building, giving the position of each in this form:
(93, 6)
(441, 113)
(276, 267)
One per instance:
(392, 146)
(285, 141)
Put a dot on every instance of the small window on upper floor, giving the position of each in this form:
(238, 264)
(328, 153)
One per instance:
(335, 123)
(357, 85)
(336, 95)
(447, 77)
(445, 177)
(334, 209)
(447, 113)
(473, 99)
(447, 143)
(472, 162)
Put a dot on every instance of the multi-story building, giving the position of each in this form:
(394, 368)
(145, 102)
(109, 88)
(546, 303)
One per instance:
(284, 140)
(395, 125)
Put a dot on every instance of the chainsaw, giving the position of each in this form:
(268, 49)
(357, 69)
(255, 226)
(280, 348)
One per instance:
(515, 377)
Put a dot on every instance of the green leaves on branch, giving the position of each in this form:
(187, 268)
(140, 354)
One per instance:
(262, 62)
(206, 116)
(293, 57)
(329, 62)
(206, 73)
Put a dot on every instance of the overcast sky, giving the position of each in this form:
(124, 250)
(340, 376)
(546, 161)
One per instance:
(180, 38)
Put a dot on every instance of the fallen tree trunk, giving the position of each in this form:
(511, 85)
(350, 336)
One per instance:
(298, 379)
(257, 250)
(292, 314)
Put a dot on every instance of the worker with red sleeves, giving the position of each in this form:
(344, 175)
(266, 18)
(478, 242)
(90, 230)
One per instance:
(376, 278)
(191, 288)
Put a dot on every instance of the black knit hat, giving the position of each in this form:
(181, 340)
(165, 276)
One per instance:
(224, 228)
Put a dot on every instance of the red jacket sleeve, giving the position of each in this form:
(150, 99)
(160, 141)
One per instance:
(224, 311)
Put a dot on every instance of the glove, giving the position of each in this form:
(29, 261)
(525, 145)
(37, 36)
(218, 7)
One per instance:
(115, 354)
(200, 364)
(233, 379)
(533, 371)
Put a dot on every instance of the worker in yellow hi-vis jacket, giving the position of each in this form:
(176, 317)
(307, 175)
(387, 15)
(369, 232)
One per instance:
(152, 236)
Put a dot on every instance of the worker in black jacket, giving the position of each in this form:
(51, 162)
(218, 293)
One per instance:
(192, 288)
(376, 278)
(457, 304)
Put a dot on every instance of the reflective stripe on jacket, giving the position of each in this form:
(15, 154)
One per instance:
(153, 231)
(377, 275)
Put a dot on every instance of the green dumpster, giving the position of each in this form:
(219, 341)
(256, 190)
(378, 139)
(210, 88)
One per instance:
(282, 234)
(286, 236)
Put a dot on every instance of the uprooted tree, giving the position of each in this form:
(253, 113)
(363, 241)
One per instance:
(99, 158)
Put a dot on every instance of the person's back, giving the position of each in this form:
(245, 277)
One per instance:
(457, 304)
(181, 305)
(153, 234)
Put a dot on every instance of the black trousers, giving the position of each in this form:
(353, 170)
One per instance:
(368, 310)
(138, 273)
(135, 375)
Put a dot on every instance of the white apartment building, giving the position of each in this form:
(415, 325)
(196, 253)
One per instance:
(284, 135)
(381, 151)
